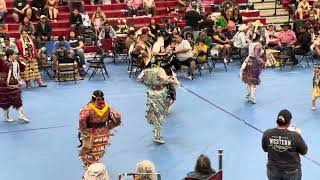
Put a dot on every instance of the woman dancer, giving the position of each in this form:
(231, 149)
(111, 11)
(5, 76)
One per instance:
(316, 86)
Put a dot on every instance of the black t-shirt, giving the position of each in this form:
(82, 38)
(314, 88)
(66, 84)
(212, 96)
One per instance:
(220, 35)
(207, 24)
(38, 4)
(20, 4)
(192, 18)
(74, 42)
(154, 30)
(283, 147)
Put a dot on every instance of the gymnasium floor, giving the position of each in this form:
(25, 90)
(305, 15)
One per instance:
(45, 149)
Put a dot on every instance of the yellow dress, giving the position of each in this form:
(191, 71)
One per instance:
(315, 92)
(201, 48)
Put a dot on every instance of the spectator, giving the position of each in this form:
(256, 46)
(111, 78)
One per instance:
(207, 39)
(287, 37)
(144, 49)
(130, 39)
(134, 6)
(228, 15)
(239, 40)
(192, 18)
(273, 36)
(96, 171)
(208, 24)
(76, 4)
(146, 170)
(43, 31)
(236, 16)
(149, 7)
(184, 55)
(7, 44)
(38, 8)
(168, 26)
(200, 50)
(97, 22)
(303, 9)
(223, 44)
(197, 5)
(21, 8)
(203, 169)
(158, 46)
(61, 52)
(3, 10)
(312, 22)
(77, 46)
(189, 38)
(303, 44)
(27, 26)
(107, 32)
(293, 6)
(76, 21)
(154, 28)
(52, 8)
(316, 5)
(99, 11)
(283, 145)
(315, 47)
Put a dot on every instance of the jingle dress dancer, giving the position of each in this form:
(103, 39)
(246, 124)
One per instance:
(97, 119)
(316, 86)
(251, 68)
(10, 82)
(161, 95)
(27, 52)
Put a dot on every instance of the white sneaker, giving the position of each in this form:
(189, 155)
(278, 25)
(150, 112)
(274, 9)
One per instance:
(84, 66)
(225, 60)
(8, 119)
(23, 119)
(313, 108)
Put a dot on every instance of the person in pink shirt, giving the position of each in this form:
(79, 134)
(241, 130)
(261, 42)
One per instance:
(287, 38)
(133, 6)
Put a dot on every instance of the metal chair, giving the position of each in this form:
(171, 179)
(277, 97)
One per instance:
(98, 65)
(307, 56)
(134, 63)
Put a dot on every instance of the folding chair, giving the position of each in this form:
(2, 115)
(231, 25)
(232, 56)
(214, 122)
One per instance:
(200, 63)
(125, 176)
(120, 52)
(134, 63)
(307, 56)
(45, 67)
(215, 57)
(98, 65)
(104, 48)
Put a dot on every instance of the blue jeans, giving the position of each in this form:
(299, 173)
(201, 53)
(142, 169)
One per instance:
(276, 174)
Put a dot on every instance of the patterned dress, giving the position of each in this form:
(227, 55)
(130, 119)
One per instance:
(316, 85)
(161, 92)
(253, 65)
(10, 92)
(95, 125)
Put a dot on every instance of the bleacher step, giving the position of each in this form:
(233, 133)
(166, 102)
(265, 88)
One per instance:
(265, 5)
(270, 12)
(277, 19)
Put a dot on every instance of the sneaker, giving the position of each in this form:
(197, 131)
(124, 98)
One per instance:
(313, 108)
(23, 119)
(190, 77)
(252, 100)
(225, 60)
(159, 140)
(8, 119)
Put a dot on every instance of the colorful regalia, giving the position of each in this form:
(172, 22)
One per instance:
(161, 95)
(10, 92)
(251, 69)
(28, 55)
(95, 125)
(316, 86)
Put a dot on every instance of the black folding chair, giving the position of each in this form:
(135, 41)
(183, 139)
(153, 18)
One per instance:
(98, 65)
(134, 64)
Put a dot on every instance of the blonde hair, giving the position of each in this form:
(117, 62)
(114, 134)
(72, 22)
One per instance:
(96, 171)
(146, 166)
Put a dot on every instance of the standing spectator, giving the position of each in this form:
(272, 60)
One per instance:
(208, 24)
(43, 31)
(7, 44)
(303, 8)
(27, 26)
(21, 8)
(283, 145)
(38, 8)
(149, 7)
(134, 6)
(202, 170)
(77, 46)
(192, 18)
(52, 8)
(303, 44)
(3, 10)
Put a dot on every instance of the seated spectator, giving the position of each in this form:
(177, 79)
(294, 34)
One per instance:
(189, 38)
(231, 30)
(130, 39)
(43, 31)
(239, 40)
(76, 4)
(143, 49)
(134, 6)
(97, 22)
(146, 170)
(228, 15)
(107, 32)
(38, 8)
(219, 20)
(61, 53)
(168, 26)
(77, 46)
(287, 37)
(158, 46)
(86, 22)
(273, 37)
(21, 8)
(52, 8)
(200, 50)
(154, 28)
(312, 22)
(222, 43)
(76, 21)
(303, 44)
(99, 11)
(3, 10)
(7, 44)
(303, 9)
(315, 47)
(184, 55)
(202, 170)
(236, 16)
(293, 7)
(316, 6)
(204, 36)
(149, 7)
(96, 171)
(208, 24)
(27, 26)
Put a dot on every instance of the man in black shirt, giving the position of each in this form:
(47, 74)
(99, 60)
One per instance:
(283, 145)
(208, 24)
(38, 9)
(43, 31)
(303, 44)
(192, 18)
(21, 8)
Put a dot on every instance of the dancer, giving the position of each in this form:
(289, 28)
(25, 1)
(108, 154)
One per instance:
(251, 68)
(27, 52)
(161, 95)
(316, 86)
(97, 119)
(10, 82)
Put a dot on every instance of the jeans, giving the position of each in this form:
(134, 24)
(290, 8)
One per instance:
(276, 174)
(297, 51)
(80, 54)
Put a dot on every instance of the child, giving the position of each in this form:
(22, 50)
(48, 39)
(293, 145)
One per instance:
(200, 50)
(316, 86)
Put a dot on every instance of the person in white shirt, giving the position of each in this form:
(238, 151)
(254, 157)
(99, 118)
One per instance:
(239, 40)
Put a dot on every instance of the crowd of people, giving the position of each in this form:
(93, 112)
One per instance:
(223, 34)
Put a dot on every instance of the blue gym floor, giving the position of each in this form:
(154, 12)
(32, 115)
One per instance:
(46, 150)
